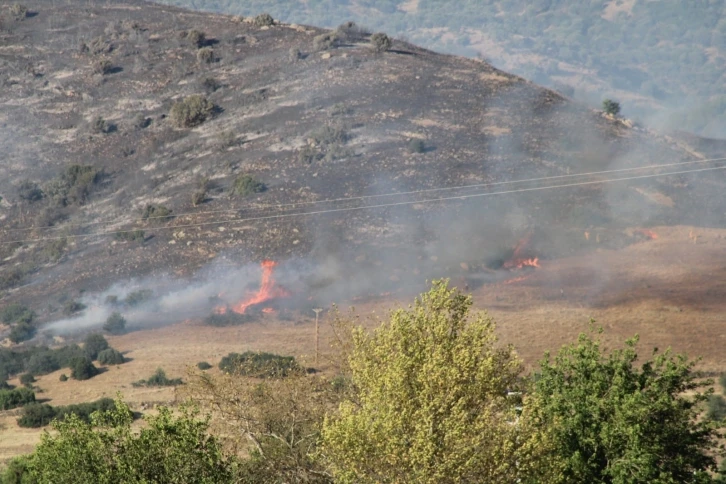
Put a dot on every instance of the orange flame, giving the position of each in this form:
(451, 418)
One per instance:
(517, 261)
(268, 290)
(648, 234)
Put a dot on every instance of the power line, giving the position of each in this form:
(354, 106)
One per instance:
(384, 205)
(364, 197)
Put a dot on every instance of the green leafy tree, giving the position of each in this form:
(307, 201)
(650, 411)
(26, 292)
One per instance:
(611, 107)
(169, 449)
(115, 324)
(110, 356)
(21, 331)
(431, 403)
(614, 422)
(82, 368)
(94, 344)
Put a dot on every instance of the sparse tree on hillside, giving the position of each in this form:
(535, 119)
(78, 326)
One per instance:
(611, 107)
(191, 111)
(82, 368)
(613, 422)
(431, 403)
(115, 323)
(94, 344)
(264, 20)
(381, 42)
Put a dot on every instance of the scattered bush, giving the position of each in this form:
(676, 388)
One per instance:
(42, 363)
(136, 235)
(158, 379)
(115, 324)
(29, 191)
(309, 154)
(264, 20)
(18, 11)
(12, 277)
(350, 32)
(246, 185)
(295, 54)
(97, 46)
(210, 84)
(230, 318)
(72, 307)
(380, 42)
(15, 398)
(611, 107)
(196, 37)
(156, 213)
(27, 380)
(325, 41)
(226, 139)
(82, 368)
(205, 55)
(36, 415)
(340, 109)
(191, 111)
(203, 365)
(141, 121)
(329, 135)
(63, 377)
(259, 365)
(137, 297)
(21, 331)
(416, 146)
(198, 197)
(99, 125)
(94, 344)
(74, 185)
(102, 66)
(53, 250)
(716, 407)
(110, 356)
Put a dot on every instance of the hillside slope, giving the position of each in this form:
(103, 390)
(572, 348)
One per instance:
(91, 157)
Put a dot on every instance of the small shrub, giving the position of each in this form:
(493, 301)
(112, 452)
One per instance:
(99, 125)
(203, 365)
(329, 135)
(416, 146)
(191, 111)
(294, 54)
(63, 377)
(210, 84)
(94, 344)
(74, 185)
(226, 139)
(230, 318)
(716, 407)
(198, 197)
(110, 356)
(158, 379)
(29, 191)
(36, 415)
(137, 297)
(205, 55)
(15, 398)
(350, 32)
(325, 41)
(39, 415)
(18, 11)
(21, 331)
(115, 324)
(264, 20)
(340, 109)
(156, 213)
(246, 185)
(12, 277)
(102, 66)
(72, 307)
(380, 42)
(141, 121)
(259, 365)
(197, 38)
(82, 368)
(611, 107)
(309, 154)
(27, 380)
(42, 363)
(137, 235)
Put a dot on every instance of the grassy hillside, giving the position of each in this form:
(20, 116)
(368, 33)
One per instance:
(664, 59)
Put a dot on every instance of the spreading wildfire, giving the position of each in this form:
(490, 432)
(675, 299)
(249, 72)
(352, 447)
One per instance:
(268, 291)
(517, 260)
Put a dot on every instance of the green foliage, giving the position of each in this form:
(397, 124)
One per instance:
(15, 313)
(18, 11)
(42, 363)
(722, 381)
(156, 213)
(63, 377)
(203, 365)
(74, 186)
(37, 415)
(115, 323)
(29, 191)
(16, 397)
(102, 67)
(191, 111)
(158, 379)
(716, 407)
(197, 38)
(168, 449)
(110, 356)
(72, 307)
(325, 41)
(21, 331)
(264, 20)
(210, 84)
(380, 42)
(416, 146)
(230, 318)
(82, 368)
(17, 472)
(611, 107)
(245, 185)
(259, 365)
(613, 422)
(205, 55)
(12, 277)
(198, 197)
(27, 380)
(137, 297)
(93, 344)
(136, 235)
(431, 402)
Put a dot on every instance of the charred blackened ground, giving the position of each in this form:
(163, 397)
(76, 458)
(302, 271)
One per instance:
(94, 85)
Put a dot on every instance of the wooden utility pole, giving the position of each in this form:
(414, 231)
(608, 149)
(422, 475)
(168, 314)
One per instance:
(317, 335)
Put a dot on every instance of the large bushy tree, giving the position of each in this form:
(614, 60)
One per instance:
(433, 402)
(620, 422)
